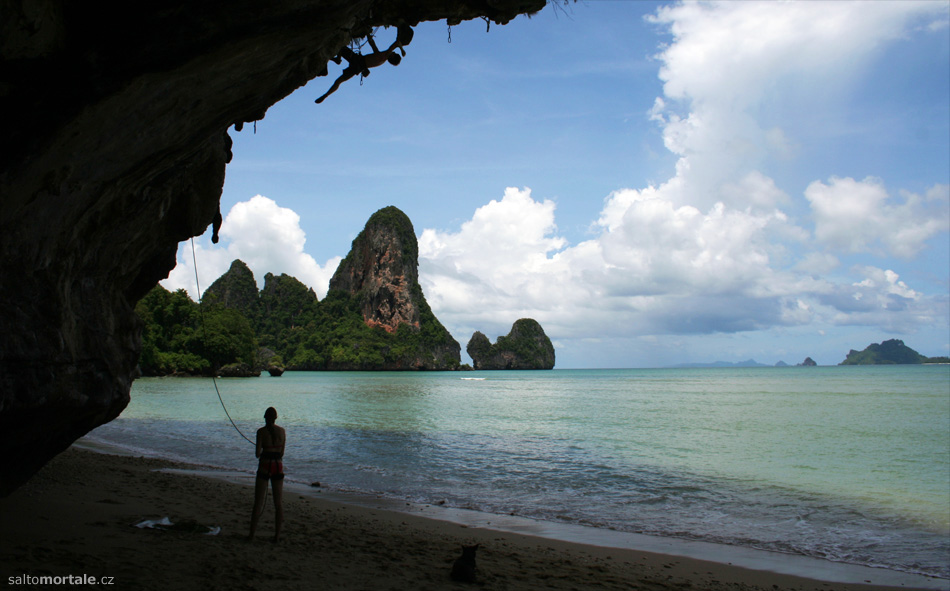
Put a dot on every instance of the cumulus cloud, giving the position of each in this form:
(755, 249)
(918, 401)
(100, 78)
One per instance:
(713, 248)
(497, 264)
(860, 216)
(727, 59)
(262, 234)
(656, 269)
(879, 299)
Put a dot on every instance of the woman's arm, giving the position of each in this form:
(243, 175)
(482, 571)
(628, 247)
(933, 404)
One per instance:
(258, 448)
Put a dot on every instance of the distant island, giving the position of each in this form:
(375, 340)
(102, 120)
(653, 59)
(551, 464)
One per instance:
(809, 362)
(746, 363)
(892, 352)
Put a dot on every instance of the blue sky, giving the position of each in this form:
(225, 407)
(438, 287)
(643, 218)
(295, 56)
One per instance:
(653, 183)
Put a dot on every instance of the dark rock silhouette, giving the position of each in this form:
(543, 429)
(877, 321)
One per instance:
(524, 347)
(358, 63)
(114, 154)
(809, 362)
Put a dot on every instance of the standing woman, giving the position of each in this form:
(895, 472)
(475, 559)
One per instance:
(270, 450)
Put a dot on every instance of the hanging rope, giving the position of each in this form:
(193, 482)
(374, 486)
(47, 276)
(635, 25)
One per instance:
(201, 313)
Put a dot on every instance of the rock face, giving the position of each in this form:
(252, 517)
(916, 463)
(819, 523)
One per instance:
(809, 362)
(381, 274)
(382, 271)
(525, 347)
(114, 152)
(236, 289)
(238, 370)
(284, 303)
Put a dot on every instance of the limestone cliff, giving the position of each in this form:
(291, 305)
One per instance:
(380, 275)
(114, 151)
(236, 289)
(381, 271)
(524, 347)
(285, 303)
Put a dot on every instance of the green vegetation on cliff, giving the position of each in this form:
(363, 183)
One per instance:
(892, 352)
(339, 338)
(236, 289)
(524, 347)
(178, 337)
(374, 317)
(304, 333)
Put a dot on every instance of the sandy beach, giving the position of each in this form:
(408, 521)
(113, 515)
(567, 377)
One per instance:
(76, 518)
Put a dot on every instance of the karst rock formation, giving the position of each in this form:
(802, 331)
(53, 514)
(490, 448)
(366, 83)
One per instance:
(114, 151)
(381, 272)
(524, 347)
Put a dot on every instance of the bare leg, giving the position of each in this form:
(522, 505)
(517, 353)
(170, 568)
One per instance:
(260, 488)
(336, 85)
(278, 488)
(347, 73)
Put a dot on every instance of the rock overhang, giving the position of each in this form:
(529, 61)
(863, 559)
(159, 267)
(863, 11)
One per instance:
(116, 152)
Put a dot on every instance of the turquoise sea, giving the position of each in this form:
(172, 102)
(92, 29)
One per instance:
(850, 464)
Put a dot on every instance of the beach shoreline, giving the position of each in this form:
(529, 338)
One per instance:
(75, 517)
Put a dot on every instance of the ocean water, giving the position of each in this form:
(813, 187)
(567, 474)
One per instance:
(849, 464)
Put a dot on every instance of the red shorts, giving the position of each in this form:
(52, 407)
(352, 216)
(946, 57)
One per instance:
(270, 470)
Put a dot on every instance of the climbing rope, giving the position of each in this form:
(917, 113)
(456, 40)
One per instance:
(201, 313)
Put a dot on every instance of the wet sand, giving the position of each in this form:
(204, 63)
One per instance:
(76, 518)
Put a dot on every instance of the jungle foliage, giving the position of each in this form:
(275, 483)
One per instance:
(286, 321)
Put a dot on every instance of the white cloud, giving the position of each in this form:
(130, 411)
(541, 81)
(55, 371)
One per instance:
(712, 249)
(817, 263)
(262, 234)
(728, 59)
(860, 216)
(881, 299)
(654, 269)
(498, 265)
(715, 248)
